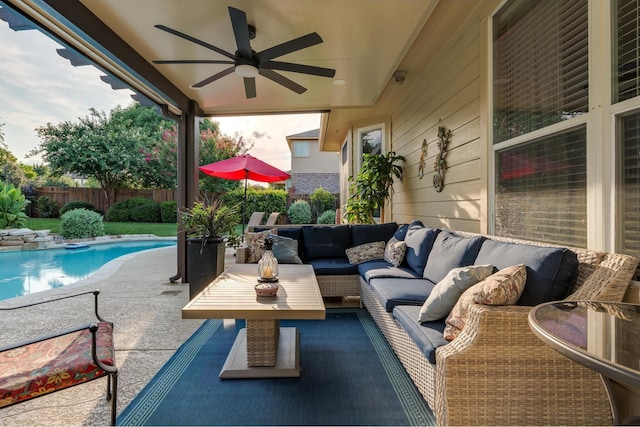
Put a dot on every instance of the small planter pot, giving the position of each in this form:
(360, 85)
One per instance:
(204, 263)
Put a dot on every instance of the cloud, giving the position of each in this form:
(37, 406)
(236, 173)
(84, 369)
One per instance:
(37, 87)
(260, 135)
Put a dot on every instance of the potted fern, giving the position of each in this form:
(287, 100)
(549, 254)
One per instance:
(207, 225)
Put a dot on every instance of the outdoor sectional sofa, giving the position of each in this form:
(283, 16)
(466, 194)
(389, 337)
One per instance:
(496, 371)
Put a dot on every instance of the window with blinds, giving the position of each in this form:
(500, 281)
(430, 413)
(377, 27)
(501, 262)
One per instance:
(540, 65)
(541, 189)
(627, 52)
(629, 184)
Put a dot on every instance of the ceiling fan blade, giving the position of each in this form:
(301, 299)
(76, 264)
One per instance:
(195, 40)
(250, 87)
(240, 31)
(282, 80)
(299, 68)
(290, 46)
(213, 78)
(192, 61)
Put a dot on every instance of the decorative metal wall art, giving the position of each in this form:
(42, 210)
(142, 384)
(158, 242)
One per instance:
(444, 136)
(423, 159)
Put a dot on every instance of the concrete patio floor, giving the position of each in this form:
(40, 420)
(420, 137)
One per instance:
(146, 310)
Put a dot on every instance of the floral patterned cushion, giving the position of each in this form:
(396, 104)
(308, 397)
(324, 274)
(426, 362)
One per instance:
(501, 288)
(394, 251)
(254, 242)
(50, 365)
(365, 252)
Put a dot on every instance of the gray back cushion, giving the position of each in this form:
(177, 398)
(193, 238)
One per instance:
(451, 251)
(550, 271)
(326, 242)
(419, 241)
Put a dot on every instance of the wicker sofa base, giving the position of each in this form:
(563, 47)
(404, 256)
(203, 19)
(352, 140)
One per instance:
(339, 286)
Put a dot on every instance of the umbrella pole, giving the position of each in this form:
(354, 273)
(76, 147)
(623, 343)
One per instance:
(244, 205)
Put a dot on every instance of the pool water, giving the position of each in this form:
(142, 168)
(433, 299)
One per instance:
(28, 272)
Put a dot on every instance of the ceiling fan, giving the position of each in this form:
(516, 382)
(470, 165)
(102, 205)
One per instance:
(247, 63)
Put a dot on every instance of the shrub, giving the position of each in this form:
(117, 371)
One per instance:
(327, 217)
(124, 211)
(76, 204)
(149, 212)
(12, 205)
(81, 223)
(300, 212)
(321, 201)
(258, 200)
(169, 212)
(47, 208)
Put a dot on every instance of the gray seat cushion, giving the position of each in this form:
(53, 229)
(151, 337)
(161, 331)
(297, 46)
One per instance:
(394, 291)
(380, 268)
(550, 271)
(450, 251)
(428, 336)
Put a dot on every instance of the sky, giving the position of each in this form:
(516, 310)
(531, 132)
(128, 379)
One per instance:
(37, 86)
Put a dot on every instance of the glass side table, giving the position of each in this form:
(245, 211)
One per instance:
(602, 336)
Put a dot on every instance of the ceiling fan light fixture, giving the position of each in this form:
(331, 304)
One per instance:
(246, 70)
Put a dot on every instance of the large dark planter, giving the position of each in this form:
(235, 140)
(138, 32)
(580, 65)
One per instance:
(204, 263)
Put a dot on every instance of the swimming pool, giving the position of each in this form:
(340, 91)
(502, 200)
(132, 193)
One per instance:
(28, 272)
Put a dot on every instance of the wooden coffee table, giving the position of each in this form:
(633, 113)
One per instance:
(263, 349)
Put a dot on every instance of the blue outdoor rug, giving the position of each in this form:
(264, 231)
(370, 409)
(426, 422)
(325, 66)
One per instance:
(350, 376)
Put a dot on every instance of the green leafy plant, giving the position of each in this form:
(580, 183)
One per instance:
(80, 224)
(372, 186)
(76, 204)
(133, 210)
(321, 201)
(327, 217)
(12, 205)
(209, 219)
(47, 208)
(300, 212)
(169, 212)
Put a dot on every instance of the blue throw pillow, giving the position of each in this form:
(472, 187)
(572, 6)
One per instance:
(450, 251)
(401, 232)
(326, 241)
(285, 249)
(419, 241)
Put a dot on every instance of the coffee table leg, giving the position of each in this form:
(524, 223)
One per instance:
(262, 342)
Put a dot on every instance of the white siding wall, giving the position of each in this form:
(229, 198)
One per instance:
(450, 93)
(317, 162)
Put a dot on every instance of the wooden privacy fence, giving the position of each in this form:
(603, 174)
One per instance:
(95, 196)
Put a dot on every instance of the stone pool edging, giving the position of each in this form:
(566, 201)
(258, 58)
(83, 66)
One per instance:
(21, 239)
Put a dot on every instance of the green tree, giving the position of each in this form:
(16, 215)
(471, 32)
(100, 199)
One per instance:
(116, 151)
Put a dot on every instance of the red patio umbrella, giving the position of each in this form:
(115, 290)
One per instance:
(244, 167)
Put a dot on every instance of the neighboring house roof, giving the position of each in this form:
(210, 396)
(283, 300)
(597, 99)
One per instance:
(309, 135)
(315, 133)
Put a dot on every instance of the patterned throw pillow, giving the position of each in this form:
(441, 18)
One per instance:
(365, 252)
(254, 242)
(501, 288)
(394, 251)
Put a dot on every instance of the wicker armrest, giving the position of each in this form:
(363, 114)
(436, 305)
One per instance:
(497, 372)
